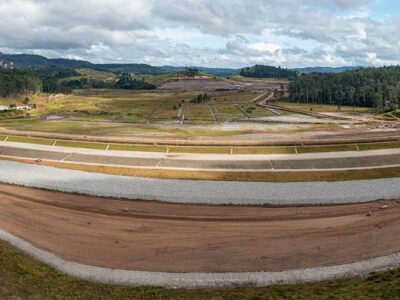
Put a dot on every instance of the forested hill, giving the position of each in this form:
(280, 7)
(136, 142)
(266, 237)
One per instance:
(15, 83)
(130, 68)
(222, 72)
(308, 70)
(372, 87)
(29, 61)
(259, 71)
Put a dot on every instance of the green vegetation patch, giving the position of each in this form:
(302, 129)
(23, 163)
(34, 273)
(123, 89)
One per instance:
(260, 71)
(89, 145)
(264, 150)
(370, 87)
(24, 278)
(316, 108)
(29, 140)
(200, 149)
(145, 148)
(378, 146)
(326, 148)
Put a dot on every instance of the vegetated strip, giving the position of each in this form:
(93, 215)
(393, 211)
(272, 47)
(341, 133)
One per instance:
(377, 146)
(301, 176)
(29, 140)
(200, 149)
(202, 280)
(45, 282)
(328, 148)
(207, 149)
(264, 150)
(89, 145)
(393, 137)
(144, 148)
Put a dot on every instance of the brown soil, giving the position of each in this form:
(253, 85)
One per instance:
(153, 236)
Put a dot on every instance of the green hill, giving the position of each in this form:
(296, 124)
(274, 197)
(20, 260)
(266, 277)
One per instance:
(259, 71)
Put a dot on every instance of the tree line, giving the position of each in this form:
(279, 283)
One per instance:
(126, 81)
(259, 71)
(16, 83)
(371, 87)
(201, 98)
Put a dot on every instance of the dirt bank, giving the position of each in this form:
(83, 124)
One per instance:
(187, 238)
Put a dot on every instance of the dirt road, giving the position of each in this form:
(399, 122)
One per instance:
(345, 160)
(152, 236)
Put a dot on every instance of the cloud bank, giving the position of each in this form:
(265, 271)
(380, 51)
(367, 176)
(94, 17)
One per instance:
(230, 33)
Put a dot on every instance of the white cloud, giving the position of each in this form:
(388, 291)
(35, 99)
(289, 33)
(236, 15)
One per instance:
(229, 33)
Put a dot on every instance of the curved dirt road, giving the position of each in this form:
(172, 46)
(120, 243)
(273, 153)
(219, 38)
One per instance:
(345, 160)
(148, 236)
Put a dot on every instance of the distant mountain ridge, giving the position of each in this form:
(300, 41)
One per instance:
(261, 71)
(308, 70)
(221, 72)
(32, 60)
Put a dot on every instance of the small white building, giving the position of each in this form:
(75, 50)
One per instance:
(22, 107)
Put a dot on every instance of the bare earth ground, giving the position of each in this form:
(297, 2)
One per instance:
(213, 85)
(152, 236)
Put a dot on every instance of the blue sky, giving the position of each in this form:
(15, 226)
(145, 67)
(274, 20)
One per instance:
(385, 10)
(214, 33)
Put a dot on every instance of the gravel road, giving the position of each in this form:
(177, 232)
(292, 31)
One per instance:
(201, 192)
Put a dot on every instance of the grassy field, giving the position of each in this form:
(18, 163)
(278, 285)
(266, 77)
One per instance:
(157, 113)
(74, 144)
(20, 139)
(377, 146)
(307, 107)
(144, 148)
(200, 149)
(264, 150)
(90, 74)
(124, 112)
(327, 148)
(24, 278)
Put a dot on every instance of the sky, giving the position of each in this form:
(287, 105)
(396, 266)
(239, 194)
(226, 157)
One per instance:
(211, 33)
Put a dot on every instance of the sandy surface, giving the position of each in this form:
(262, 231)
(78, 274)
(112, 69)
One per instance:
(148, 236)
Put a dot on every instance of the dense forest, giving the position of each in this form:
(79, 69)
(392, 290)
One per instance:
(25, 61)
(189, 72)
(16, 83)
(51, 76)
(259, 71)
(125, 81)
(372, 87)
(53, 79)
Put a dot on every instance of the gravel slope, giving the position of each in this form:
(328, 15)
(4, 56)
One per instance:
(204, 192)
